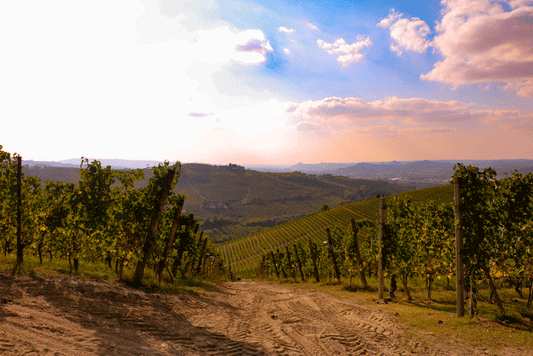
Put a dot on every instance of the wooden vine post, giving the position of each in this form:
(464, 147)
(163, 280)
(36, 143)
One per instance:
(202, 256)
(355, 231)
(170, 241)
(274, 263)
(380, 247)
(460, 293)
(299, 262)
(332, 255)
(151, 234)
(313, 257)
(290, 262)
(281, 265)
(20, 246)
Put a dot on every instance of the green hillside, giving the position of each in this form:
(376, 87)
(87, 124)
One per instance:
(244, 253)
(232, 202)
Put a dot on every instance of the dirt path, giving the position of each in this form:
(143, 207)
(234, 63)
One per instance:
(56, 316)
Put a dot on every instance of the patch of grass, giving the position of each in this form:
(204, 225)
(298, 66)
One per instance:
(99, 271)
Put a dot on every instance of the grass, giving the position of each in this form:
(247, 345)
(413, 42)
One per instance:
(436, 320)
(99, 271)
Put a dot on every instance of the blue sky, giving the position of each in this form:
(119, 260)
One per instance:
(267, 82)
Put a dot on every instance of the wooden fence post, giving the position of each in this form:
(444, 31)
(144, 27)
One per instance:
(313, 257)
(460, 293)
(380, 247)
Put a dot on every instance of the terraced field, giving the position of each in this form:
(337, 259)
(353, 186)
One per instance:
(243, 254)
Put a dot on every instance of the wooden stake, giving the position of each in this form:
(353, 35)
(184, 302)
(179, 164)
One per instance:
(380, 242)
(355, 231)
(299, 262)
(20, 246)
(460, 292)
(313, 257)
(290, 262)
(332, 255)
(281, 265)
(274, 263)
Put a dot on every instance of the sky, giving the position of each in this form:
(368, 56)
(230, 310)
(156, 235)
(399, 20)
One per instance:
(258, 82)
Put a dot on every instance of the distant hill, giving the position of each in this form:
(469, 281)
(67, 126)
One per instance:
(428, 172)
(116, 163)
(319, 168)
(526, 170)
(62, 173)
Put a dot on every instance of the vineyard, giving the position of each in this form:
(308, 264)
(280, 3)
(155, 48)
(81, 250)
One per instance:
(421, 234)
(104, 218)
(244, 254)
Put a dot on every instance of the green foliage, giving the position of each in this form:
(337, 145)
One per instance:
(102, 218)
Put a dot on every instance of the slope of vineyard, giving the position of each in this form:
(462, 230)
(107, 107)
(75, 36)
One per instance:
(244, 254)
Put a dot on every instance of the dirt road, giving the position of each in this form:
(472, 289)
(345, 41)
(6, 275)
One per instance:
(56, 316)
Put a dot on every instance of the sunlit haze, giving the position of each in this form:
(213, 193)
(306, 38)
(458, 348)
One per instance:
(267, 82)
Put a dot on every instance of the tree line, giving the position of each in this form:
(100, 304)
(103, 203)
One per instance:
(103, 217)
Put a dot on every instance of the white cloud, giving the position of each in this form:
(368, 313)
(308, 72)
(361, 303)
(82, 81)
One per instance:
(481, 42)
(286, 51)
(285, 30)
(407, 34)
(348, 54)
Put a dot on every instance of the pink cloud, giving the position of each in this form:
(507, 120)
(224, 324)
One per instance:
(391, 109)
(399, 117)
(483, 43)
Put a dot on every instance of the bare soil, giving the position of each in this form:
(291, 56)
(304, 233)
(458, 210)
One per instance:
(67, 316)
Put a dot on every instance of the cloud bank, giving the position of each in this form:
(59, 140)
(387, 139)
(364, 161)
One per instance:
(481, 42)
(340, 114)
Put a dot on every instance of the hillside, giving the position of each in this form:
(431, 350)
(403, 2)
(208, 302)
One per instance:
(231, 201)
(243, 254)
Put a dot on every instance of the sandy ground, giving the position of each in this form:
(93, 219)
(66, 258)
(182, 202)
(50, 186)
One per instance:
(56, 316)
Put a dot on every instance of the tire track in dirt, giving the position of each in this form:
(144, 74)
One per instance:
(67, 316)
